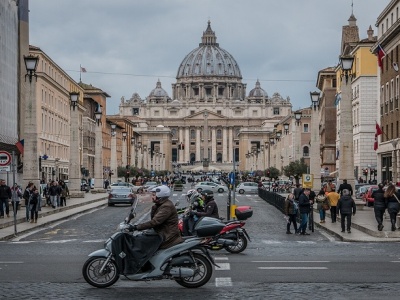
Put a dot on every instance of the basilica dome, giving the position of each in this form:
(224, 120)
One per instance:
(158, 91)
(208, 59)
(258, 91)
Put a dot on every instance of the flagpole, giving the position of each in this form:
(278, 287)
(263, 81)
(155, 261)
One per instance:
(80, 73)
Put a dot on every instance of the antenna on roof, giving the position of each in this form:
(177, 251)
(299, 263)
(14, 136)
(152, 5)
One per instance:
(352, 6)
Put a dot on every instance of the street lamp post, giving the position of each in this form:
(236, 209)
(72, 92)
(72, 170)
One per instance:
(113, 162)
(346, 155)
(31, 155)
(124, 148)
(98, 160)
(315, 158)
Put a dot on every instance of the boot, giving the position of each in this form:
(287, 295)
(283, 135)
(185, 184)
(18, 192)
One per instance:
(35, 220)
(393, 225)
(31, 221)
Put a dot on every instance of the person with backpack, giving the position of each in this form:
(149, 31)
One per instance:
(291, 209)
(322, 205)
(64, 193)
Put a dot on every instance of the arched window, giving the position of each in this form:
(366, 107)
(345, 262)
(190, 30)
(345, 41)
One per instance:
(306, 151)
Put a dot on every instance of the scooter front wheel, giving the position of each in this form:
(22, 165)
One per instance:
(93, 276)
(240, 246)
(202, 274)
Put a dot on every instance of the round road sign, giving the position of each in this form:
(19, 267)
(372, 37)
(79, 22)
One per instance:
(5, 158)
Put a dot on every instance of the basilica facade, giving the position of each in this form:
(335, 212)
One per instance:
(208, 118)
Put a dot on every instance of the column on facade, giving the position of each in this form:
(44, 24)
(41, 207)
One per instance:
(224, 145)
(198, 144)
(98, 159)
(74, 161)
(213, 145)
(140, 158)
(230, 144)
(181, 157)
(186, 141)
(395, 170)
(144, 157)
(133, 156)
(113, 163)
(315, 158)
(124, 152)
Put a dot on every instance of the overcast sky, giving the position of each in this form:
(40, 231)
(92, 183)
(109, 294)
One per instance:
(127, 45)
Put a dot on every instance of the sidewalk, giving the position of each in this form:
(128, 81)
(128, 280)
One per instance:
(363, 228)
(49, 215)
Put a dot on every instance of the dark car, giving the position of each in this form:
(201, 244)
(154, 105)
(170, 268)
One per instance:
(121, 195)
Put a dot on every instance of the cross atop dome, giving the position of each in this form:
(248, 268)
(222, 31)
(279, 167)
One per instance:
(208, 37)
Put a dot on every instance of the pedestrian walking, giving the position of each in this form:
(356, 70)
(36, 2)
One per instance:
(26, 196)
(16, 197)
(345, 186)
(392, 199)
(5, 197)
(291, 210)
(297, 192)
(322, 205)
(346, 208)
(33, 205)
(305, 209)
(54, 193)
(379, 205)
(64, 194)
(333, 198)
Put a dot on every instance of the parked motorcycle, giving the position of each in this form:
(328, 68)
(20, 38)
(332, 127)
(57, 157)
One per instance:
(137, 257)
(232, 237)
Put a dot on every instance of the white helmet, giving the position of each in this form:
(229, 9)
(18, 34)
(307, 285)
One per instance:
(162, 191)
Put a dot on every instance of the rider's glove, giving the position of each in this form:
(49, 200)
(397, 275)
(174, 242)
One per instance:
(193, 213)
(132, 227)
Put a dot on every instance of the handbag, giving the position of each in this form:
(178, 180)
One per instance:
(325, 206)
(396, 198)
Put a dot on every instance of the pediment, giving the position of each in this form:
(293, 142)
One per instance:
(200, 116)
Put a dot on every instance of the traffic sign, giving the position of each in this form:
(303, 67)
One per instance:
(308, 181)
(5, 158)
(5, 169)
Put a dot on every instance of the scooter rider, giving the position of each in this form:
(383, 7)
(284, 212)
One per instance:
(211, 208)
(164, 218)
(196, 204)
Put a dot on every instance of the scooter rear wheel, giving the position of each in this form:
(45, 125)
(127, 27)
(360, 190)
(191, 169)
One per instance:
(202, 274)
(239, 247)
(92, 275)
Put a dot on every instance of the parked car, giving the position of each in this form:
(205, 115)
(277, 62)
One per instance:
(121, 195)
(208, 185)
(149, 185)
(367, 197)
(247, 187)
(360, 191)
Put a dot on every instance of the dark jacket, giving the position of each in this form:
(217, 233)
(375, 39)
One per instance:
(5, 192)
(164, 220)
(26, 195)
(54, 190)
(393, 205)
(346, 205)
(297, 192)
(304, 204)
(210, 210)
(345, 186)
(379, 200)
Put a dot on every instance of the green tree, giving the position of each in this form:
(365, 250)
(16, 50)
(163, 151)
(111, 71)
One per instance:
(273, 172)
(296, 169)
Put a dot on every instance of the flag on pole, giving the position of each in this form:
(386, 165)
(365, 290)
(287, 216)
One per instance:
(378, 132)
(381, 54)
(20, 146)
(83, 69)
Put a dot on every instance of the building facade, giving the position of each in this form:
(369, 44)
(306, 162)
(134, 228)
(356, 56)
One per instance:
(209, 117)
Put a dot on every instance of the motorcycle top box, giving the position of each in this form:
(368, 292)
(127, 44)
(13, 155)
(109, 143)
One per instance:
(207, 226)
(243, 212)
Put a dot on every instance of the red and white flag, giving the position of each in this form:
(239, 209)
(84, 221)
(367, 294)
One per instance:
(83, 69)
(378, 132)
(381, 54)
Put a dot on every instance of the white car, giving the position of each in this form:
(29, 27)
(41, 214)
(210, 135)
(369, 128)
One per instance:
(212, 186)
(247, 187)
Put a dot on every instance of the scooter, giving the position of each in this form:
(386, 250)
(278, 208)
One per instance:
(137, 258)
(232, 237)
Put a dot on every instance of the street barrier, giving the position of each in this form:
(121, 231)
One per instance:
(272, 198)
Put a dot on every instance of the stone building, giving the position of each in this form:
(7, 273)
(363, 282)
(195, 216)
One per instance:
(209, 118)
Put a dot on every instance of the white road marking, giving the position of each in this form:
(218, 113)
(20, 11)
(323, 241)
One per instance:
(292, 268)
(60, 241)
(220, 258)
(306, 242)
(11, 262)
(223, 281)
(223, 267)
(291, 261)
(93, 241)
(23, 242)
(271, 242)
